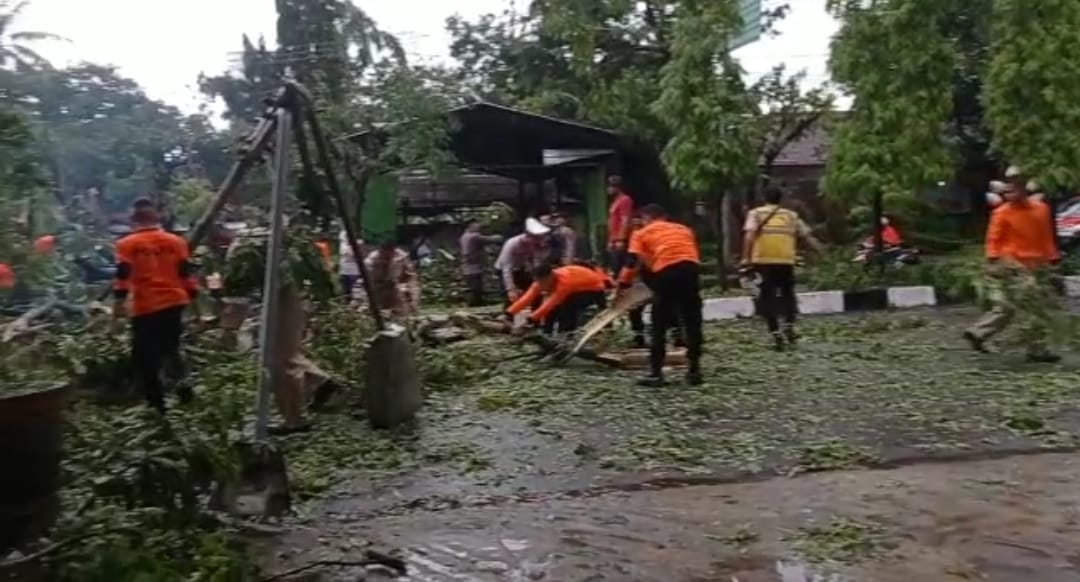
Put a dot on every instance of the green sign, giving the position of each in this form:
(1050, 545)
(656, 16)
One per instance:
(752, 25)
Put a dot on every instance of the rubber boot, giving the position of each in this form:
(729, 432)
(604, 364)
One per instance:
(693, 374)
(790, 336)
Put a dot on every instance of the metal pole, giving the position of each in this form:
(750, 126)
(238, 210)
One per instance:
(250, 154)
(322, 150)
(268, 323)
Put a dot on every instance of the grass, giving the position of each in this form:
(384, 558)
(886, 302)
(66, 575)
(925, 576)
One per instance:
(859, 390)
(841, 540)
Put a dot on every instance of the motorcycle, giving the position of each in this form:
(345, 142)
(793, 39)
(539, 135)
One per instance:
(893, 255)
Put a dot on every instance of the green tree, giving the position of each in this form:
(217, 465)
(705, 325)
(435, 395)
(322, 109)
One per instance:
(705, 102)
(15, 50)
(23, 198)
(328, 44)
(893, 58)
(99, 130)
(244, 89)
(786, 111)
(510, 59)
(1032, 88)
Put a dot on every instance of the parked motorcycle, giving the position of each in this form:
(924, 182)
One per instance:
(894, 256)
(1068, 226)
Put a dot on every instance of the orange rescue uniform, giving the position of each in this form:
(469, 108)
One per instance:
(154, 268)
(567, 281)
(324, 252)
(7, 277)
(1022, 231)
(659, 245)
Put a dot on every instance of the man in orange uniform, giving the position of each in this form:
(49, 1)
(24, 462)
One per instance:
(1020, 248)
(666, 253)
(570, 291)
(154, 269)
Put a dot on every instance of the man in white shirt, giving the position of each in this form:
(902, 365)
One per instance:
(520, 255)
(348, 270)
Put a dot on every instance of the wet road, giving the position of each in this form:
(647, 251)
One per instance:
(999, 521)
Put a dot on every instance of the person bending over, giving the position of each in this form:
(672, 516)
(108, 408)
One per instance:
(668, 251)
(569, 291)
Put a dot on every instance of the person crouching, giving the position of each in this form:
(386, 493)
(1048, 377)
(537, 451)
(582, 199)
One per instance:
(569, 292)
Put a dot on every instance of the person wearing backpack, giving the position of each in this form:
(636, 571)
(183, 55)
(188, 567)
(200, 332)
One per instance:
(771, 234)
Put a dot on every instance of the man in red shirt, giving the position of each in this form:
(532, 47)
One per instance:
(618, 229)
(155, 274)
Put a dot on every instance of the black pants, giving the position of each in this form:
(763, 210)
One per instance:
(637, 318)
(347, 284)
(677, 300)
(777, 297)
(568, 315)
(474, 289)
(155, 348)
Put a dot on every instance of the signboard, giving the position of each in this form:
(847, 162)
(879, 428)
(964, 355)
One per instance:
(752, 24)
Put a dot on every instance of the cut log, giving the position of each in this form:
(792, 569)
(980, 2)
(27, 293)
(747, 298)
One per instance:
(22, 324)
(633, 298)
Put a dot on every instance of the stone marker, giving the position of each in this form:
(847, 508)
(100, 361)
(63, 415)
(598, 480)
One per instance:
(393, 392)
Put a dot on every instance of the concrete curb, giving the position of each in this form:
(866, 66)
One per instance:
(833, 302)
(828, 302)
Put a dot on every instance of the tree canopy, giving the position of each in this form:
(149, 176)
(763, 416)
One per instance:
(1032, 84)
(946, 85)
(98, 129)
(895, 61)
(15, 45)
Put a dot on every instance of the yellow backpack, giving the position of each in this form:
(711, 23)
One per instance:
(777, 231)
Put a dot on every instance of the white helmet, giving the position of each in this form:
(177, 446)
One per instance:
(536, 228)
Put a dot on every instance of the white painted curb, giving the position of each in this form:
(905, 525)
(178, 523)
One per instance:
(721, 308)
(906, 297)
(821, 302)
(1072, 286)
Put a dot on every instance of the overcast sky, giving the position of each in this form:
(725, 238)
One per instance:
(165, 45)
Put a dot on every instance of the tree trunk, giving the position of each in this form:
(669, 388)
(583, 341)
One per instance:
(878, 212)
(728, 245)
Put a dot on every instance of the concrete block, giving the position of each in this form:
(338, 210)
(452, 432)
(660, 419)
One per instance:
(721, 308)
(905, 297)
(1072, 286)
(821, 303)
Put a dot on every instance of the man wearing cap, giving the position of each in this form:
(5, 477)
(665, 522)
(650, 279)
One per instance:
(519, 256)
(1020, 250)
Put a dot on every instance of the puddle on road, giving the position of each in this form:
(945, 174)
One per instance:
(519, 560)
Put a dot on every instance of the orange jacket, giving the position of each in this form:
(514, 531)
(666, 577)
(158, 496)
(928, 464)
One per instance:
(7, 277)
(324, 252)
(567, 281)
(154, 267)
(1022, 231)
(659, 245)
